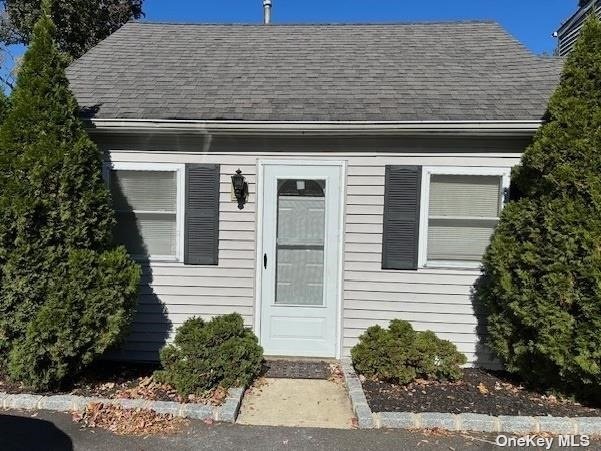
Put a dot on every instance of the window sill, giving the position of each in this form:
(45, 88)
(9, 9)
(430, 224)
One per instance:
(156, 260)
(455, 266)
(437, 270)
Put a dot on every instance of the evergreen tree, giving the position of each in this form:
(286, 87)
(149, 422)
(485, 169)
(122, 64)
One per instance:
(541, 283)
(66, 293)
(81, 24)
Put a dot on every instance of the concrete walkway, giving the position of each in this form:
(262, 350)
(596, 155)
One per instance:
(297, 402)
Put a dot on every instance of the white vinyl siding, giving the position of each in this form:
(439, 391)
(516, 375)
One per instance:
(438, 299)
(147, 202)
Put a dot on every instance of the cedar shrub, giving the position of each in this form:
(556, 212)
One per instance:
(67, 294)
(400, 355)
(205, 355)
(541, 282)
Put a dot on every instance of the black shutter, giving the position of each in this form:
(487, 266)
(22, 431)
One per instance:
(201, 235)
(400, 240)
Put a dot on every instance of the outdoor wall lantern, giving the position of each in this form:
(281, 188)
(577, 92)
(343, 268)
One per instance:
(240, 188)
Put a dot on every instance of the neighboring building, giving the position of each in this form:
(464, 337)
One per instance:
(568, 33)
(376, 156)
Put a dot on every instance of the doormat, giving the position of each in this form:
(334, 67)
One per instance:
(296, 369)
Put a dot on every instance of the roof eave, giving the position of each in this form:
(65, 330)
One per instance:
(507, 127)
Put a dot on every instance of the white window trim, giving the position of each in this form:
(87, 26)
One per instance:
(180, 170)
(427, 172)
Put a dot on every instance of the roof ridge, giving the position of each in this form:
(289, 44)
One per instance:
(316, 24)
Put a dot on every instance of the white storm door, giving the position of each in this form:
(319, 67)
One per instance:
(300, 259)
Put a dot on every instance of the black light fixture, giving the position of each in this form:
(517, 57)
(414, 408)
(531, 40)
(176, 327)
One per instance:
(240, 188)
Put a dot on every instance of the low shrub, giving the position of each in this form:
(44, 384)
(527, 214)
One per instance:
(400, 354)
(205, 355)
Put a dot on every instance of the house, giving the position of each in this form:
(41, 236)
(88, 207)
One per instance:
(376, 160)
(570, 30)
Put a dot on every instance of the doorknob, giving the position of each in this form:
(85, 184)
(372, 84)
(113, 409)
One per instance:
(265, 261)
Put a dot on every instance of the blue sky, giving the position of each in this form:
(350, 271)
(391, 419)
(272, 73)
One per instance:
(531, 21)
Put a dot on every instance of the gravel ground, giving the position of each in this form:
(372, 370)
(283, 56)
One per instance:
(480, 391)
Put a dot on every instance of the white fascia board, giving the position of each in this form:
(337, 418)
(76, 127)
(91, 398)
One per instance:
(323, 127)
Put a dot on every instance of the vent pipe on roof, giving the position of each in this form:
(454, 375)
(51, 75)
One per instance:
(267, 11)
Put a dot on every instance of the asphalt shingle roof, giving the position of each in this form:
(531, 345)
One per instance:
(395, 72)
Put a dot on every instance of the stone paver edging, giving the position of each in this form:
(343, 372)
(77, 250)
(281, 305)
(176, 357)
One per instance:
(365, 417)
(460, 422)
(227, 412)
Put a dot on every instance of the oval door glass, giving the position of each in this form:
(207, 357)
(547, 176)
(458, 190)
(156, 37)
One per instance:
(300, 242)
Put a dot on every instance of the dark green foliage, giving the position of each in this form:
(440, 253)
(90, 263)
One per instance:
(207, 355)
(57, 262)
(82, 316)
(81, 24)
(3, 106)
(399, 354)
(437, 359)
(541, 284)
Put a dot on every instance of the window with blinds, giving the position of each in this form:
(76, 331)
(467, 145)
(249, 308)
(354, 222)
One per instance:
(146, 206)
(463, 212)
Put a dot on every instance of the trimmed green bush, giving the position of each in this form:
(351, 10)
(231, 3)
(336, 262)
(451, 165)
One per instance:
(437, 359)
(205, 355)
(541, 283)
(67, 293)
(400, 355)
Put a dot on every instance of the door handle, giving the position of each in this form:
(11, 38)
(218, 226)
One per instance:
(265, 261)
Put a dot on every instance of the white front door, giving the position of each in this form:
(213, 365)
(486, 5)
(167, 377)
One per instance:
(300, 261)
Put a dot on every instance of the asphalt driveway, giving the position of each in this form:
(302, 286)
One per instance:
(50, 431)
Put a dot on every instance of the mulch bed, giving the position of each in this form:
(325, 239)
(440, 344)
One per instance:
(485, 392)
(115, 380)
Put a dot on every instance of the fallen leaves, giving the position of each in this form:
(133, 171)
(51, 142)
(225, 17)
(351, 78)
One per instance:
(128, 421)
(107, 386)
(257, 386)
(482, 388)
(508, 387)
(147, 388)
(150, 389)
(218, 396)
(336, 374)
